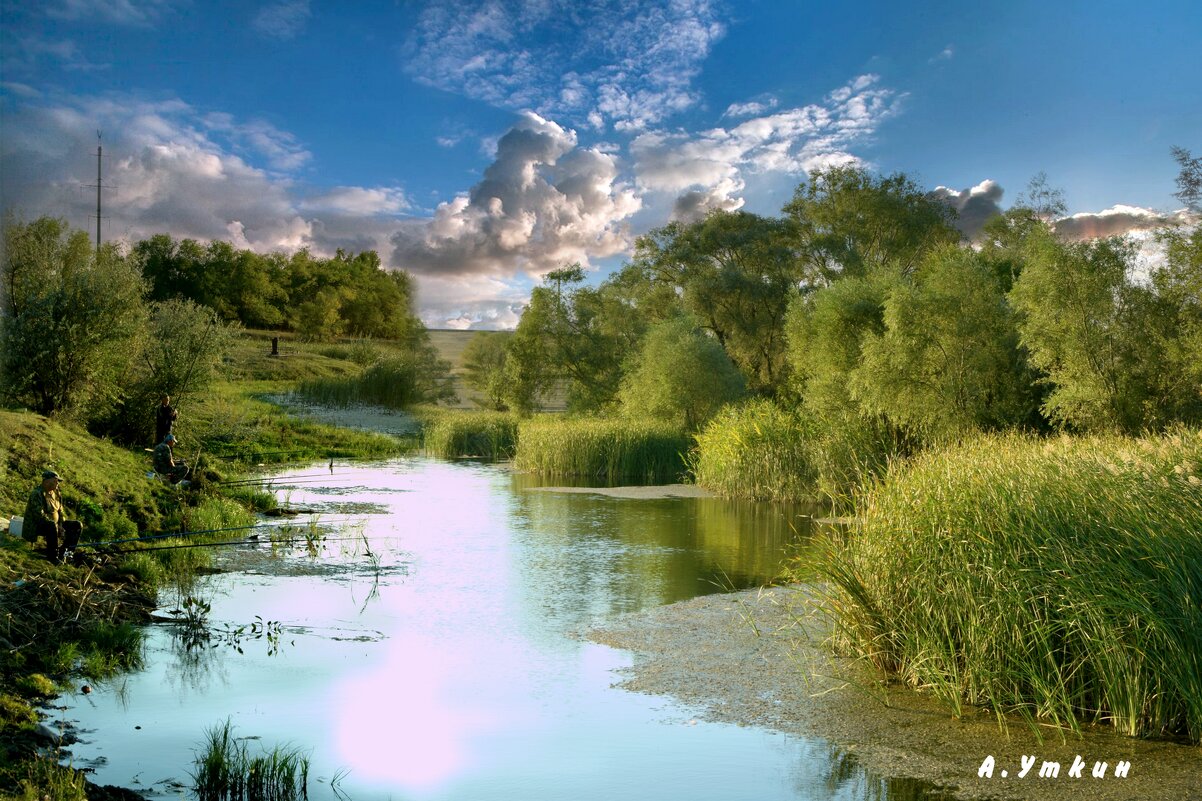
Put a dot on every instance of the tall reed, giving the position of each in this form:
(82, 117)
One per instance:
(226, 771)
(603, 449)
(453, 433)
(1059, 579)
(392, 383)
(757, 450)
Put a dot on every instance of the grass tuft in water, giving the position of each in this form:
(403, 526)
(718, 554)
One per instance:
(604, 449)
(1057, 579)
(452, 434)
(226, 771)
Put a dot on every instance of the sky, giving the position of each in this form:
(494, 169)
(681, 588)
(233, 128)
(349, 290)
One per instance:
(480, 144)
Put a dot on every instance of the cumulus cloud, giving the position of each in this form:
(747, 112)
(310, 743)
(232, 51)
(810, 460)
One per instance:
(360, 201)
(946, 54)
(608, 62)
(542, 202)
(1115, 221)
(284, 20)
(706, 169)
(750, 109)
(974, 206)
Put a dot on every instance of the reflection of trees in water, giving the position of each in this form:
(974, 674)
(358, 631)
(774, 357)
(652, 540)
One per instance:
(846, 777)
(583, 556)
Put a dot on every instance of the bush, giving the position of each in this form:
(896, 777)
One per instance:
(1057, 579)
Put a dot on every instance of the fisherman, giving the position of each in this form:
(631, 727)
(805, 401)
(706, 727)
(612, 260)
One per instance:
(44, 516)
(165, 463)
(164, 417)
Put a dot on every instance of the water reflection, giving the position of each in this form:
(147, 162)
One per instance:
(434, 655)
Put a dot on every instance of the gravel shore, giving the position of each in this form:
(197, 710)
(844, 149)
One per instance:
(757, 658)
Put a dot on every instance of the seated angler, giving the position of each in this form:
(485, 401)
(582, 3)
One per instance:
(165, 463)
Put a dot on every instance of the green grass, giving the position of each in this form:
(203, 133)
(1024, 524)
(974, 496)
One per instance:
(603, 449)
(227, 771)
(1057, 579)
(757, 450)
(453, 433)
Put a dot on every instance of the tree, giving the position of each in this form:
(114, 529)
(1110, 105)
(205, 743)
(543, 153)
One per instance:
(1189, 179)
(681, 375)
(570, 336)
(71, 318)
(484, 360)
(735, 273)
(848, 223)
(1112, 348)
(948, 360)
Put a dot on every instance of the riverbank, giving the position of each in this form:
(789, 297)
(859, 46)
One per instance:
(757, 658)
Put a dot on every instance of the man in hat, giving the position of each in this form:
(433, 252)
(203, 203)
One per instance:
(165, 463)
(44, 516)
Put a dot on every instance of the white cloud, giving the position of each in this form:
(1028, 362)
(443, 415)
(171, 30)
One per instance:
(137, 13)
(629, 64)
(750, 109)
(707, 167)
(974, 206)
(1114, 221)
(946, 54)
(284, 20)
(542, 202)
(359, 201)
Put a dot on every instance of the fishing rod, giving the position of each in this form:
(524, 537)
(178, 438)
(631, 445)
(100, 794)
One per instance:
(165, 535)
(254, 541)
(261, 479)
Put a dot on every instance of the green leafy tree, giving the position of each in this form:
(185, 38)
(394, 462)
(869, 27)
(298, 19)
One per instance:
(846, 222)
(570, 336)
(681, 375)
(735, 273)
(484, 360)
(1111, 347)
(72, 317)
(948, 360)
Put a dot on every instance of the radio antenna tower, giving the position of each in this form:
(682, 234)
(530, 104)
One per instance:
(99, 187)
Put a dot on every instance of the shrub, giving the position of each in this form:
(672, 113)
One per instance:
(758, 450)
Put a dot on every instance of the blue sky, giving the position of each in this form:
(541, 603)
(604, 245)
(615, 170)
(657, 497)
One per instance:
(479, 144)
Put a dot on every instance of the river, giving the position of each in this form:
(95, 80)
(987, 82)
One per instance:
(429, 648)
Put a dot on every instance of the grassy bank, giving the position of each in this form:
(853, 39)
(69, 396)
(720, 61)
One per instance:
(1057, 579)
(603, 449)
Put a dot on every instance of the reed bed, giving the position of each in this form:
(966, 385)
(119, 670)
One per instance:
(1057, 579)
(602, 449)
(451, 434)
(392, 383)
(757, 450)
(226, 771)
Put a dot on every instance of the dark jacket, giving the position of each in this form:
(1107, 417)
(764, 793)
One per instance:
(43, 511)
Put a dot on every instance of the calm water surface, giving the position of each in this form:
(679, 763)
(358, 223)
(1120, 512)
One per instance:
(429, 651)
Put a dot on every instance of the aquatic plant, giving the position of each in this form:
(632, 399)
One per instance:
(600, 448)
(1058, 579)
(757, 450)
(451, 434)
(226, 771)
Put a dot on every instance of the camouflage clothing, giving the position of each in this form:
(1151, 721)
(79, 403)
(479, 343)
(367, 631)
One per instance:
(44, 518)
(165, 464)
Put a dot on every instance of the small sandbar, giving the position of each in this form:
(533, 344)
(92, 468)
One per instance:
(635, 493)
(757, 658)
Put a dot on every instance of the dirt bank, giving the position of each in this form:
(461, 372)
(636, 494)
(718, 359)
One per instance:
(755, 658)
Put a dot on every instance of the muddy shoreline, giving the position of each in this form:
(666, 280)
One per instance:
(757, 658)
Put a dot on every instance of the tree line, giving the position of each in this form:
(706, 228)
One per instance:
(862, 305)
(100, 333)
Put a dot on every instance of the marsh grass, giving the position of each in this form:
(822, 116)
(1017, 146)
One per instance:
(451, 434)
(392, 383)
(1055, 579)
(227, 771)
(758, 451)
(604, 449)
